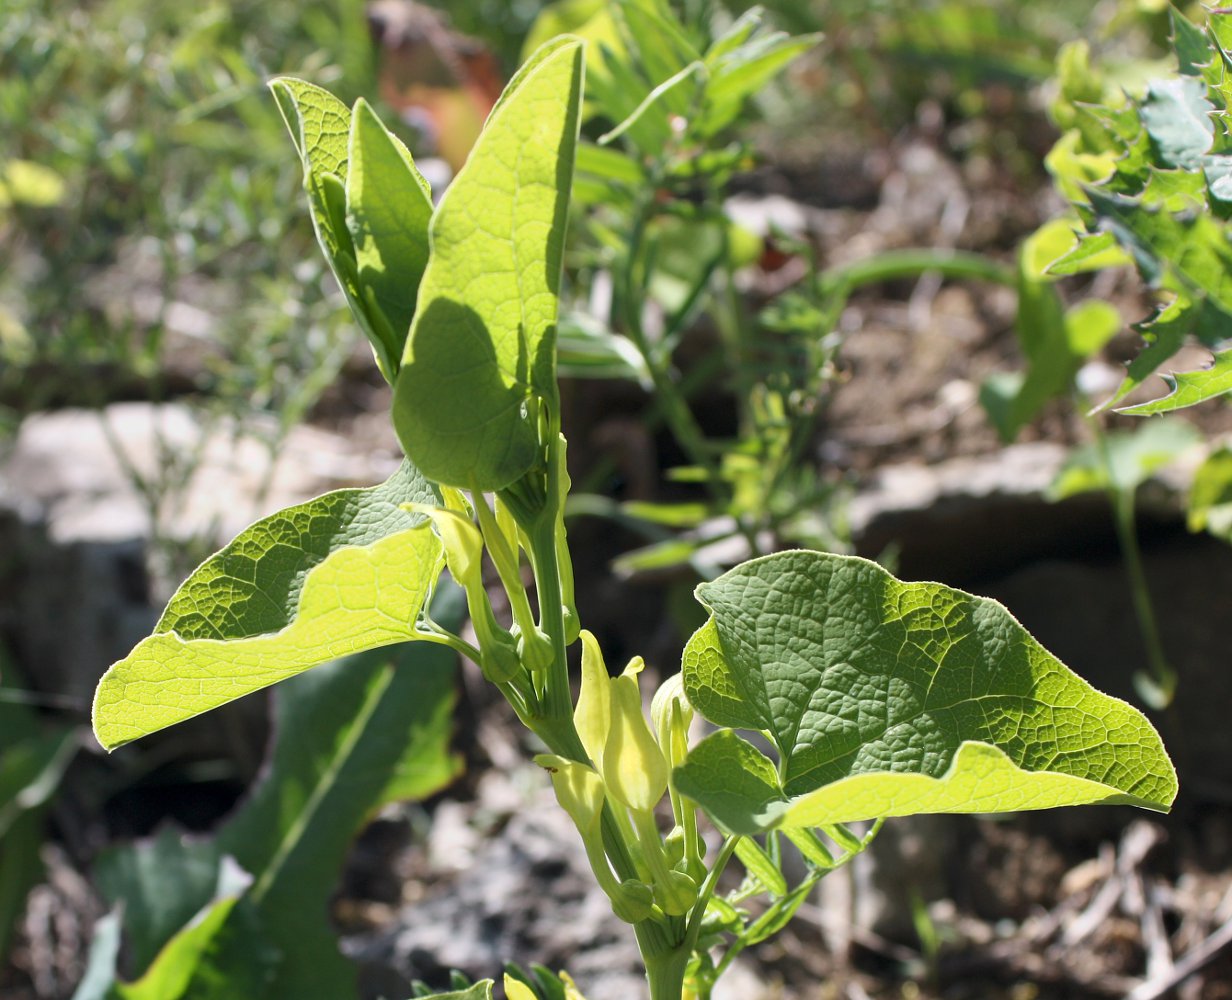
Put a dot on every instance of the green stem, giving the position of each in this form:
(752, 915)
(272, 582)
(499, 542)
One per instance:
(1158, 690)
(1144, 609)
(671, 402)
(665, 960)
(911, 263)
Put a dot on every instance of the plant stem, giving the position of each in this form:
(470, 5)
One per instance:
(910, 263)
(1157, 691)
(665, 962)
(1144, 609)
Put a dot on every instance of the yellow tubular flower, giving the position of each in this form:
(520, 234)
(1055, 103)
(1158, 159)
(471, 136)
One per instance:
(591, 716)
(579, 790)
(634, 768)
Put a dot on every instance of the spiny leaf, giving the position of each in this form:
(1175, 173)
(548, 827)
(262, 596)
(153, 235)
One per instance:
(345, 572)
(1177, 117)
(481, 349)
(886, 698)
(1189, 388)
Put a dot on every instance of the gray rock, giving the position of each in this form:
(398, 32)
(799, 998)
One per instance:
(103, 512)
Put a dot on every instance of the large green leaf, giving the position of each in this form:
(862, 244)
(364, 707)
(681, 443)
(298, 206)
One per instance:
(481, 349)
(349, 737)
(885, 698)
(345, 572)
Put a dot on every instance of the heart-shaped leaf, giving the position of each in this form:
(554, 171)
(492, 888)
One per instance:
(885, 698)
(345, 572)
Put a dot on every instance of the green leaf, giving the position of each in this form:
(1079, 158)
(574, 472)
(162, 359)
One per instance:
(345, 572)
(388, 207)
(319, 124)
(745, 72)
(481, 351)
(1041, 329)
(206, 959)
(380, 725)
(885, 698)
(1189, 388)
(482, 990)
(163, 883)
(1125, 460)
(99, 976)
(320, 127)
(1177, 117)
(1210, 495)
(33, 759)
(349, 738)
(218, 952)
(1191, 253)
(759, 864)
(1092, 252)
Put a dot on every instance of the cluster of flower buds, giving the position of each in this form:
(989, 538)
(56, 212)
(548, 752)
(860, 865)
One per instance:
(631, 773)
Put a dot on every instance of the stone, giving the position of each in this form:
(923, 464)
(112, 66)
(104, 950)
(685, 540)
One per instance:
(102, 513)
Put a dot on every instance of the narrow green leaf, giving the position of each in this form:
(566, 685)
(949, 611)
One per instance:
(778, 915)
(481, 349)
(758, 864)
(1189, 388)
(380, 724)
(388, 207)
(345, 572)
(886, 698)
(320, 126)
(744, 74)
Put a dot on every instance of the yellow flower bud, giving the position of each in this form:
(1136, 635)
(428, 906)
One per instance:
(515, 989)
(672, 714)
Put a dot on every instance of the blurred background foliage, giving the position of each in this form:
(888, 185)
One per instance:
(153, 242)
